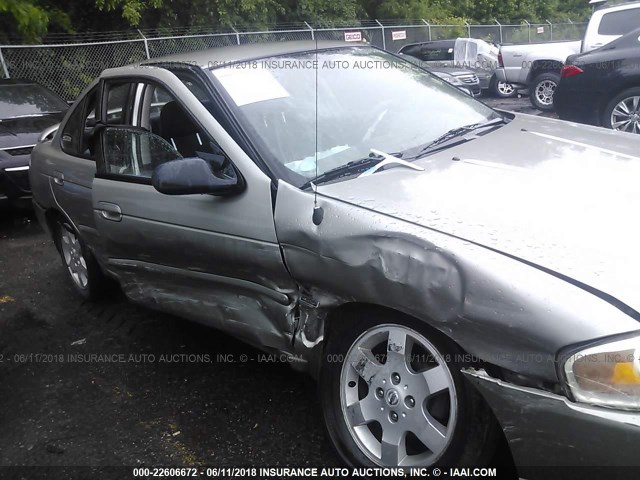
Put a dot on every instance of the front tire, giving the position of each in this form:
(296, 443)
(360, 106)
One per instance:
(542, 89)
(622, 113)
(82, 269)
(393, 395)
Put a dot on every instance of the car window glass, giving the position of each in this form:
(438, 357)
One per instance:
(135, 152)
(619, 23)
(436, 54)
(117, 101)
(166, 132)
(22, 100)
(76, 135)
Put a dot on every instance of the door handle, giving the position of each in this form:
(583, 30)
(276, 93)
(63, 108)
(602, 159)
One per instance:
(110, 211)
(58, 178)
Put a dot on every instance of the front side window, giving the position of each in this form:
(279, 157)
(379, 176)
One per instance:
(135, 152)
(146, 127)
(366, 99)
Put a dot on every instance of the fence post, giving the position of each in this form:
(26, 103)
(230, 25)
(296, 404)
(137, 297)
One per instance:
(384, 42)
(313, 37)
(528, 29)
(428, 27)
(468, 29)
(146, 44)
(4, 65)
(237, 35)
(500, 27)
(550, 28)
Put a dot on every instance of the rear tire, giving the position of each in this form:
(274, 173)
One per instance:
(542, 89)
(622, 113)
(403, 415)
(81, 267)
(501, 89)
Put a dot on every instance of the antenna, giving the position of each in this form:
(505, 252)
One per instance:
(318, 212)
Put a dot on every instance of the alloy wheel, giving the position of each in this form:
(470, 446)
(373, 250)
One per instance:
(505, 88)
(398, 397)
(545, 91)
(626, 115)
(73, 258)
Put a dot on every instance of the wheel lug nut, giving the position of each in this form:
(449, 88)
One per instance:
(395, 378)
(393, 416)
(410, 402)
(379, 393)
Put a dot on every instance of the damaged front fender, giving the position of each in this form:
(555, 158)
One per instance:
(496, 308)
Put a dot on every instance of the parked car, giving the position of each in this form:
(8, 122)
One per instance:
(472, 89)
(465, 80)
(602, 87)
(537, 66)
(26, 109)
(468, 54)
(450, 274)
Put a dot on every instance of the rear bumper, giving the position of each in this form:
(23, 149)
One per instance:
(577, 105)
(501, 75)
(544, 429)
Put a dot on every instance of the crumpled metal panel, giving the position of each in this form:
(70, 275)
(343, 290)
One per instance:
(497, 308)
(258, 315)
(546, 430)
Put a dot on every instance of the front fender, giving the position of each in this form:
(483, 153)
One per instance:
(496, 308)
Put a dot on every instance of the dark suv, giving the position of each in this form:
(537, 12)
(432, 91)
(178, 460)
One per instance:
(26, 109)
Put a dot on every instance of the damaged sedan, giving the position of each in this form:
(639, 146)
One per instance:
(453, 276)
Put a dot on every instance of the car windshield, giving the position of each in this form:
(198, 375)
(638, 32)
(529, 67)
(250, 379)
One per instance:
(366, 99)
(26, 99)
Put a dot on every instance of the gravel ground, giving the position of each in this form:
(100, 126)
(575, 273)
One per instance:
(156, 392)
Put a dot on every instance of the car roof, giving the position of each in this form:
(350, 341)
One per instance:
(242, 53)
(618, 7)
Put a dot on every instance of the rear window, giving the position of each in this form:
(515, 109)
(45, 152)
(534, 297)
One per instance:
(620, 23)
(18, 100)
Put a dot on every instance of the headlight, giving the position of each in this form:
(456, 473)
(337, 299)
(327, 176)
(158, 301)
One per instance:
(607, 374)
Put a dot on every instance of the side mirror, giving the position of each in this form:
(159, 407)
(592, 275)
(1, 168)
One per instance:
(189, 176)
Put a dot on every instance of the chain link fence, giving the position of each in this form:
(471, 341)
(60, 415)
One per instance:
(66, 68)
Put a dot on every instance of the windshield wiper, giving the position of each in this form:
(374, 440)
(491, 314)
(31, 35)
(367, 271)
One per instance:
(364, 166)
(452, 137)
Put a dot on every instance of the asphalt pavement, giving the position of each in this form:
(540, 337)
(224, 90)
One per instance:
(109, 383)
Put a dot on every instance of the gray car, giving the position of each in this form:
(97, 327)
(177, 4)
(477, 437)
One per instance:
(450, 274)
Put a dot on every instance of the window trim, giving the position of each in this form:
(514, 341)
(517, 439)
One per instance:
(82, 103)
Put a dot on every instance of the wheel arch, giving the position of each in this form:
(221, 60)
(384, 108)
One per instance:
(610, 95)
(539, 67)
(341, 313)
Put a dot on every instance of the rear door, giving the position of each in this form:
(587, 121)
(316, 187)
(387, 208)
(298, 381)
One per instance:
(212, 259)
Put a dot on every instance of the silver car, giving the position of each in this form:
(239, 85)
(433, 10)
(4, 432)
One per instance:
(451, 275)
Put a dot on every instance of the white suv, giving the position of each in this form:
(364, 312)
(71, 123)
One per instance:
(609, 24)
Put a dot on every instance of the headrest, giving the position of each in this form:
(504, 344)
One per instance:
(174, 121)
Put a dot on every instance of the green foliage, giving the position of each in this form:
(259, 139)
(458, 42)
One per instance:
(30, 19)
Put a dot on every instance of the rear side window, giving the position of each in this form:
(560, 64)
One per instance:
(619, 23)
(436, 54)
(77, 131)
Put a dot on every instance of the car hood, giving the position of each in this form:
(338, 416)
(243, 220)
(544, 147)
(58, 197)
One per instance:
(18, 132)
(560, 196)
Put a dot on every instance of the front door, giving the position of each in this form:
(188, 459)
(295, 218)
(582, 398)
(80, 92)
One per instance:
(212, 259)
